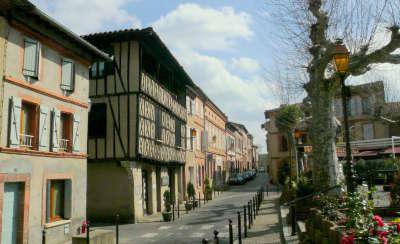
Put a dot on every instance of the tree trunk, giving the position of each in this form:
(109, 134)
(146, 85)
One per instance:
(326, 170)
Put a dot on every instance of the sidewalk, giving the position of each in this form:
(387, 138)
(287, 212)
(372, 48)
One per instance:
(266, 228)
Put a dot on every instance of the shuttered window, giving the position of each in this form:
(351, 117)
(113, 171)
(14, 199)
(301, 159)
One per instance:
(158, 123)
(31, 57)
(178, 133)
(58, 200)
(68, 75)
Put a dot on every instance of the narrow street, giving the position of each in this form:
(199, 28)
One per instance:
(201, 223)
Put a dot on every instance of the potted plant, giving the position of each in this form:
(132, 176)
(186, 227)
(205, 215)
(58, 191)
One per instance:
(191, 194)
(168, 201)
(208, 189)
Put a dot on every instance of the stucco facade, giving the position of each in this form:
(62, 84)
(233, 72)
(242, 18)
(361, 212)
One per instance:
(36, 150)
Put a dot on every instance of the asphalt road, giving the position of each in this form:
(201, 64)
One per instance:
(199, 224)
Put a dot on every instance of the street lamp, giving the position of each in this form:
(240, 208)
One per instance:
(341, 63)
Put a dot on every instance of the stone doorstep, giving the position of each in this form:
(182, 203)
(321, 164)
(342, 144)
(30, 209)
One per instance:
(96, 236)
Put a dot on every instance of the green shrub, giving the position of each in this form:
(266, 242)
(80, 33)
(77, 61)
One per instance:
(190, 191)
(168, 200)
(284, 171)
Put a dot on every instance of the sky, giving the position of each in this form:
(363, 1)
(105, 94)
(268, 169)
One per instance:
(224, 45)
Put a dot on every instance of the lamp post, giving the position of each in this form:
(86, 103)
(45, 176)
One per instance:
(341, 62)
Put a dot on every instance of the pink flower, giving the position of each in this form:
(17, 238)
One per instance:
(349, 239)
(378, 220)
(383, 239)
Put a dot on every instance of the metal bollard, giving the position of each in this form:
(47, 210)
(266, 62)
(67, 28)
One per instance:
(204, 241)
(245, 221)
(178, 210)
(267, 189)
(204, 198)
(216, 239)
(199, 200)
(117, 229)
(254, 209)
(87, 232)
(230, 232)
(239, 229)
(173, 212)
(250, 214)
(293, 212)
(44, 236)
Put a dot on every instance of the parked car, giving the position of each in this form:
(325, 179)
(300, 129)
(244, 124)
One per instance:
(237, 179)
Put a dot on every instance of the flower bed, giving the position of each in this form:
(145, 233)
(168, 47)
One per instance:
(348, 219)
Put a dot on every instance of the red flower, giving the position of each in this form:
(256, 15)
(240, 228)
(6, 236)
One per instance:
(378, 220)
(347, 239)
(383, 239)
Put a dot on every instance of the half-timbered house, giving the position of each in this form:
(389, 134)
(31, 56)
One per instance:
(44, 83)
(137, 135)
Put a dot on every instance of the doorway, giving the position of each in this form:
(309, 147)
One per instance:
(158, 183)
(145, 194)
(12, 213)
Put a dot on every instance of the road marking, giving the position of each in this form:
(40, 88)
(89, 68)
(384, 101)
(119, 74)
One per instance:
(149, 235)
(184, 227)
(206, 227)
(164, 227)
(197, 235)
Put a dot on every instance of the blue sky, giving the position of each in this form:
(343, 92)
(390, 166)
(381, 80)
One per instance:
(224, 45)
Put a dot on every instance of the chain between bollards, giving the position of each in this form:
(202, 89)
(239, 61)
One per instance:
(117, 229)
(239, 228)
(230, 232)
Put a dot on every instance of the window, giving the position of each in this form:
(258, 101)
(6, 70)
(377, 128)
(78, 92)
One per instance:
(178, 133)
(67, 75)
(366, 106)
(29, 125)
(58, 200)
(192, 137)
(31, 58)
(101, 69)
(65, 142)
(97, 120)
(191, 174)
(368, 131)
(283, 144)
(158, 123)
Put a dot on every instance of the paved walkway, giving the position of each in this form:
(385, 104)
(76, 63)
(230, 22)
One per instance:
(266, 228)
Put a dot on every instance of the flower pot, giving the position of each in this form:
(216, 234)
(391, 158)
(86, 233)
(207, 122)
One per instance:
(167, 216)
(188, 206)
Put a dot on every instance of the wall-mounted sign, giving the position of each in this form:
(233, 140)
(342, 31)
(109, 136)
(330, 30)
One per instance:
(165, 180)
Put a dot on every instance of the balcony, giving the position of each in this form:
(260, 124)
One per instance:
(64, 145)
(150, 87)
(26, 141)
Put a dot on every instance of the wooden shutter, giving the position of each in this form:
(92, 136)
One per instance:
(48, 192)
(68, 75)
(31, 57)
(14, 122)
(55, 127)
(188, 138)
(67, 199)
(76, 134)
(43, 138)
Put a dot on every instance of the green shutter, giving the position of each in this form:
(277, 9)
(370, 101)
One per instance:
(67, 199)
(68, 74)
(31, 58)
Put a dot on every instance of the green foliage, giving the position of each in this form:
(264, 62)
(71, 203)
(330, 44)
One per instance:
(395, 192)
(190, 191)
(305, 186)
(288, 117)
(284, 171)
(363, 168)
(168, 200)
(208, 187)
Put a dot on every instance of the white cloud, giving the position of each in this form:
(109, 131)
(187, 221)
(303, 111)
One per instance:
(245, 64)
(90, 15)
(191, 30)
(191, 26)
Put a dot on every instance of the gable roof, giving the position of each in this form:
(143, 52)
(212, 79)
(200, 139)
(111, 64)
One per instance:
(23, 11)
